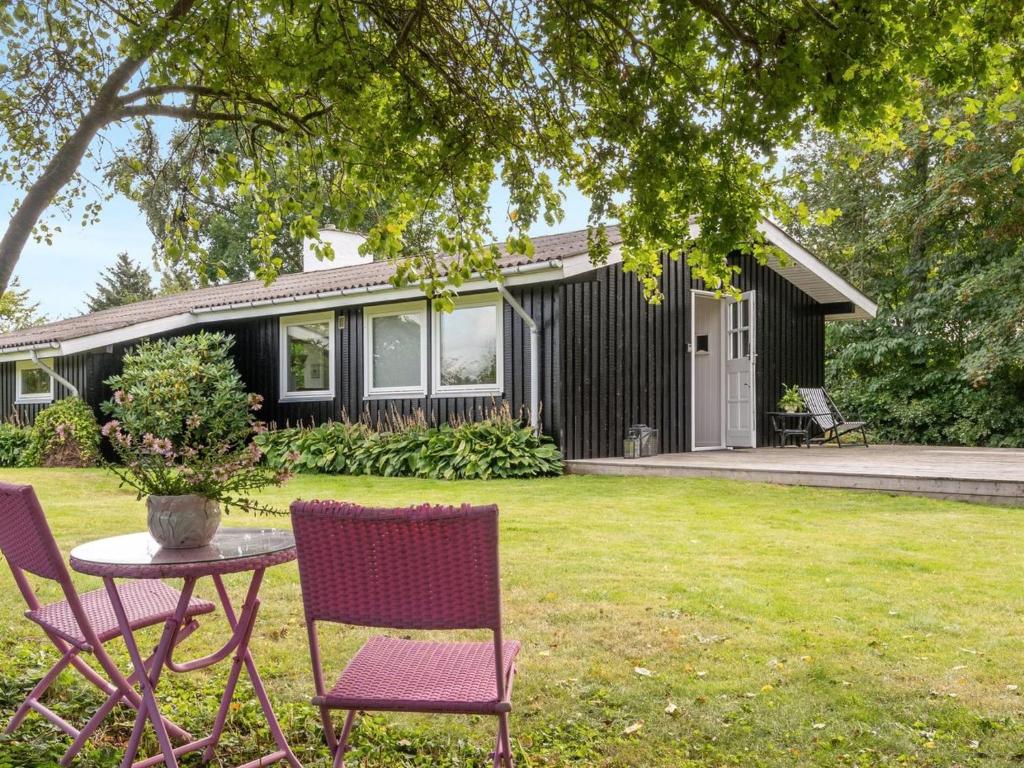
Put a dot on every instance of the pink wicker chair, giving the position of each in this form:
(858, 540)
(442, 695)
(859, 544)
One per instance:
(78, 623)
(418, 568)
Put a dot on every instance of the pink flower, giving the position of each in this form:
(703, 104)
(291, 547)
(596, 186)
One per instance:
(193, 421)
(110, 428)
(255, 402)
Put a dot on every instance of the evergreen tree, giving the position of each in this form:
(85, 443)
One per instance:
(123, 283)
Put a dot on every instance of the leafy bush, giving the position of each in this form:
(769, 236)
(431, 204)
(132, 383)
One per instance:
(15, 445)
(182, 423)
(65, 434)
(183, 389)
(497, 447)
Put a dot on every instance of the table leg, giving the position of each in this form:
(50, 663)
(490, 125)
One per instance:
(149, 677)
(246, 620)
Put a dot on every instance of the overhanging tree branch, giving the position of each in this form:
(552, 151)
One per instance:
(64, 164)
(195, 113)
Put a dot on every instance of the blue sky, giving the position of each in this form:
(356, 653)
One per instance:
(60, 275)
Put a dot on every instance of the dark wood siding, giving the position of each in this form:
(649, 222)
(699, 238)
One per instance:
(539, 301)
(78, 369)
(623, 361)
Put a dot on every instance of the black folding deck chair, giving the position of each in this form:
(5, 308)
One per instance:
(828, 418)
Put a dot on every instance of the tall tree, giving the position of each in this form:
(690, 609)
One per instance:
(934, 228)
(664, 113)
(17, 310)
(123, 282)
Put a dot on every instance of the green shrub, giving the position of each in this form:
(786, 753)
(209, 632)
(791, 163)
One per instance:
(496, 447)
(65, 434)
(15, 445)
(184, 389)
(182, 422)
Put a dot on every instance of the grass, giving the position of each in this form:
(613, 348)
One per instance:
(781, 626)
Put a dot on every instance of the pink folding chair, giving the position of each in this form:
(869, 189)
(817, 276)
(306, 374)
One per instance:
(418, 568)
(78, 623)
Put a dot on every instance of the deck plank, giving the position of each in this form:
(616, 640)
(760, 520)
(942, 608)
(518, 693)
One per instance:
(988, 475)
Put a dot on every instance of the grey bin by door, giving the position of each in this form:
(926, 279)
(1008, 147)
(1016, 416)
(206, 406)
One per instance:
(641, 441)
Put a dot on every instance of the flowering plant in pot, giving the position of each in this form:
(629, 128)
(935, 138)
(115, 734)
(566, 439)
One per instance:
(181, 427)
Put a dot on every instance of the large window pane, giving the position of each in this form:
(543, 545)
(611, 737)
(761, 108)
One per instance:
(35, 381)
(469, 347)
(309, 364)
(397, 351)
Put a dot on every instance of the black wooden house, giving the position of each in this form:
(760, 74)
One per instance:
(561, 340)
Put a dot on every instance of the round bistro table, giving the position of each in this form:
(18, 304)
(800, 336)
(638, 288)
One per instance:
(233, 550)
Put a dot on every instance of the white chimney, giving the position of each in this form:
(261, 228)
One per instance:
(346, 250)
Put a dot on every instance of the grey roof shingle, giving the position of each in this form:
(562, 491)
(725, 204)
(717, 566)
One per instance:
(298, 285)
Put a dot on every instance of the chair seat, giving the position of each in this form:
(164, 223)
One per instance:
(391, 674)
(849, 426)
(146, 602)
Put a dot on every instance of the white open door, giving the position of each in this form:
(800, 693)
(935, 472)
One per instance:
(740, 402)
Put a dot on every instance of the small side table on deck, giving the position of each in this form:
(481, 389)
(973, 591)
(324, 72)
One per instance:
(787, 426)
(233, 550)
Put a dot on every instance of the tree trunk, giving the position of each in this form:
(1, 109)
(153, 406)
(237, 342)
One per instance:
(64, 164)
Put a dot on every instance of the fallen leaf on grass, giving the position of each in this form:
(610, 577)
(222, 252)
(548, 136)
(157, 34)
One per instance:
(671, 709)
(818, 726)
(643, 671)
(629, 730)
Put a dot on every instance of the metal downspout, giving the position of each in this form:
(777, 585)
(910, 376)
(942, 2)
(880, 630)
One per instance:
(534, 356)
(53, 374)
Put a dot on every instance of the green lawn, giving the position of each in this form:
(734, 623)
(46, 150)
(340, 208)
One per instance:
(787, 626)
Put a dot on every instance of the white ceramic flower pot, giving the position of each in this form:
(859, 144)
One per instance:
(182, 522)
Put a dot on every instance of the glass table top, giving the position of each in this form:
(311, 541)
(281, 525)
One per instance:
(140, 549)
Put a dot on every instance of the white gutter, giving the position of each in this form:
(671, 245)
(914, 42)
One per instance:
(534, 356)
(53, 374)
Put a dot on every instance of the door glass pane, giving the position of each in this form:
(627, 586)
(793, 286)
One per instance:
(396, 350)
(469, 347)
(309, 364)
(35, 381)
(733, 345)
(744, 306)
(733, 316)
(746, 344)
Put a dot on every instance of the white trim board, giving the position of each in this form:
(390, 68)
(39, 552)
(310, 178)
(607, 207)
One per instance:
(813, 277)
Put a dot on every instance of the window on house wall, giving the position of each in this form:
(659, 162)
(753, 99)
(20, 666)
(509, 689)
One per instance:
(468, 347)
(33, 384)
(307, 357)
(395, 340)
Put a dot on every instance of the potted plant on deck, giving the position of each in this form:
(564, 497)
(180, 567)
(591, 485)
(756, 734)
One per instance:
(791, 400)
(181, 427)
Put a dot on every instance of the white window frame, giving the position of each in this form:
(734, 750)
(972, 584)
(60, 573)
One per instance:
(285, 321)
(29, 399)
(471, 390)
(371, 392)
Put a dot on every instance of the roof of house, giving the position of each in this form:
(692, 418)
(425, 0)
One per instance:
(290, 286)
(191, 307)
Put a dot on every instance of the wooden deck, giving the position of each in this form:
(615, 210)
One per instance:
(988, 475)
